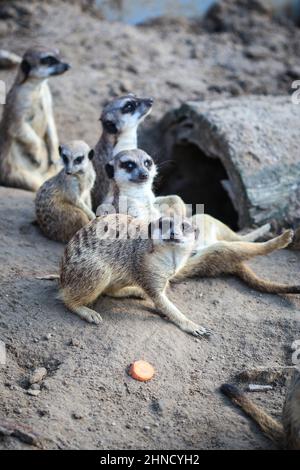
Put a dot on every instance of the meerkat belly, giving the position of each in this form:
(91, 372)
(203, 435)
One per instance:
(172, 261)
(23, 158)
(38, 120)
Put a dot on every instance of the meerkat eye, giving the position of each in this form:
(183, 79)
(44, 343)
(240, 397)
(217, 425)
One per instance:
(78, 160)
(64, 159)
(186, 227)
(49, 60)
(129, 107)
(148, 163)
(129, 166)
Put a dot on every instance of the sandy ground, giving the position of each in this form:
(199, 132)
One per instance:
(87, 400)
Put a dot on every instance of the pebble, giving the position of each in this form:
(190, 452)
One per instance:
(48, 336)
(77, 416)
(146, 428)
(33, 393)
(74, 342)
(35, 387)
(37, 375)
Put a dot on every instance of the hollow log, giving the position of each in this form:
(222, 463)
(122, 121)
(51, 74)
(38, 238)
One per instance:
(256, 139)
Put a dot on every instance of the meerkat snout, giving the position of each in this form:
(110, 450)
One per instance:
(172, 230)
(125, 113)
(40, 63)
(132, 166)
(76, 157)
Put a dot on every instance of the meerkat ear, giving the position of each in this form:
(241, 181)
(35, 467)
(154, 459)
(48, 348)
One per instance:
(109, 127)
(110, 171)
(91, 154)
(25, 67)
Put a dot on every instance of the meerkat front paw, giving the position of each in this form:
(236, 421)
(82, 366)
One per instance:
(196, 330)
(92, 317)
(91, 216)
(286, 238)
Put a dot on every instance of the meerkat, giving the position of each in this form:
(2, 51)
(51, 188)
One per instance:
(285, 435)
(114, 255)
(222, 251)
(131, 173)
(120, 121)
(63, 203)
(28, 137)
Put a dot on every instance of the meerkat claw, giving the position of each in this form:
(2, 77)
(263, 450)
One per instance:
(94, 318)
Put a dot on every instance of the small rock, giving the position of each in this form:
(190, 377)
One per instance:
(146, 428)
(38, 375)
(35, 387)
(259, 388)
(77, 415)
(48, 336)
(74, 342)
(125, 86)
(33, 393)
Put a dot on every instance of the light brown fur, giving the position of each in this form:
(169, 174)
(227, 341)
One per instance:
(219, 250)
(286, 435)
(28, 137)
(93, 265)
(63, 203)
(119, 133)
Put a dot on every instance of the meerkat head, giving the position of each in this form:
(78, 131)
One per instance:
(40, 63)
(76, 157)
(125, 113)
(132, 167)
(172, 231)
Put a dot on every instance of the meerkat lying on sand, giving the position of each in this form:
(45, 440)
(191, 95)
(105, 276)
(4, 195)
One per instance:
(131, 173)
(114, 255)
(120, 121)
(219, 250)
(285, 435)
(28, 138)
(63, 203)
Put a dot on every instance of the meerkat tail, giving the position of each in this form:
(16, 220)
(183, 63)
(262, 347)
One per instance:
(269, 426)
(251, 279)
(257, 233)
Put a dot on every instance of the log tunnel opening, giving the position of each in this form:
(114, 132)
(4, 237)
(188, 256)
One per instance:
(198, 179)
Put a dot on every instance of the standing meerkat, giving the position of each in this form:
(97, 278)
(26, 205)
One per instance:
(63, 203)
(28, 137)
(120, 121)
(131, 173)
(114, 255)
(285, 435)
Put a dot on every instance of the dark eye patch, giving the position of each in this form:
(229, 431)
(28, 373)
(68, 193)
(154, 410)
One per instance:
(148, 163)
(64, 159)
(78, 160)
(186, 227)
(110, 127)
(129, 166)
(129, 107)
(49, 60)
